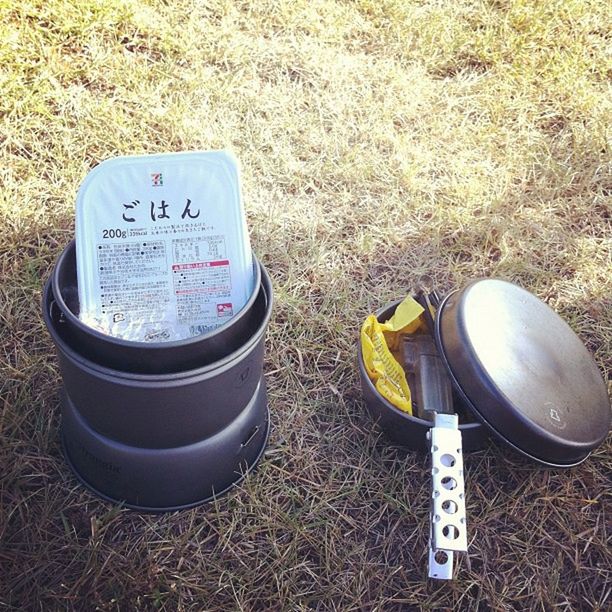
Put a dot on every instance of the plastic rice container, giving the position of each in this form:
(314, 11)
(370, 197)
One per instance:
(162, 246)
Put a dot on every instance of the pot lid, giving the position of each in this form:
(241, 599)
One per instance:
(523, 371)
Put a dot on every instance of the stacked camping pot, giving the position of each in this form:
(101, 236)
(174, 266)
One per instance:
(160, 426)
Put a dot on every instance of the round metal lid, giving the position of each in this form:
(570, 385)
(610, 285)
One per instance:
(524, 371)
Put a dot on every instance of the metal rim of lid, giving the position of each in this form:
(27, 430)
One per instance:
(503, 404)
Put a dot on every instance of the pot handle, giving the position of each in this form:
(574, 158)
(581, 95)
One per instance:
(53, 307)
(250, 437)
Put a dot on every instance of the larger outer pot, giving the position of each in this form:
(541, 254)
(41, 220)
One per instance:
(160, 480)
(147, 357)
(162, 410)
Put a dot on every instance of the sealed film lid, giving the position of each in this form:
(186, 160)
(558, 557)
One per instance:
(162, 246)
(523, 371)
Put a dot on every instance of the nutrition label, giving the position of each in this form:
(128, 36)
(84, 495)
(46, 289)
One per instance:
(205, 248)
(201, 278)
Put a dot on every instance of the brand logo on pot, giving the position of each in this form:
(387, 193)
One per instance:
(225, 310)
(157, 180)
(556, 419)
(89, 457)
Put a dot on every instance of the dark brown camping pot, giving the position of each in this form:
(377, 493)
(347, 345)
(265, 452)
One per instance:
(521, 372)
(160, 438)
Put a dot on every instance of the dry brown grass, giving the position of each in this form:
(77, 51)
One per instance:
(379, 141)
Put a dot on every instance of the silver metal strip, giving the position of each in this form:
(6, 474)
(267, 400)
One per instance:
(448, 521)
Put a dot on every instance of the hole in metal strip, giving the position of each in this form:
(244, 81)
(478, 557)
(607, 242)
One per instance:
(441, 557)
(448, 460)
(449, 483)
(450, 531)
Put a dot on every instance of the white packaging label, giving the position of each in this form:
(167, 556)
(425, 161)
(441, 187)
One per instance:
(162, 246)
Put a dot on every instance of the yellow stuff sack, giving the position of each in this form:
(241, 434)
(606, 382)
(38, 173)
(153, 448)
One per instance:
(377, 342)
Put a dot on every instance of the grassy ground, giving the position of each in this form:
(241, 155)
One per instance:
(380, 140)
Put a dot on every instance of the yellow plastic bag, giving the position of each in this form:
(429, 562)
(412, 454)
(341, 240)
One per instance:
(377, 342)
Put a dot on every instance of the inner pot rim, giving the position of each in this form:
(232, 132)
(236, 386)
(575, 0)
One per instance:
(212, 369)
(132, 344)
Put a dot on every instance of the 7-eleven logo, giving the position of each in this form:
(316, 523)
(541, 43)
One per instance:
(157, 180)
